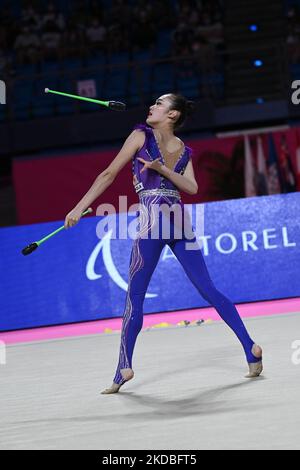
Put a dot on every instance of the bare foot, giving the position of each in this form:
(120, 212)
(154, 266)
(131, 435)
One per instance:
(255, 368)
(127, 375)
(113, 389)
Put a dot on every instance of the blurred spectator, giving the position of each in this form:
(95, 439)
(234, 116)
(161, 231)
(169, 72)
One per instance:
(52, 16)
(120, 12)
(292, 12)
(194, 18)
(197, 30)
(181, 48)
(80, 15)
(143, 33)
(163, 14)
(5, 63)
(96, 34)
(52, 28)
(117, 39)
(185, 9)
(210, 30)
(121, 26)
(204, 61)
(5, 14)
(73, 43)
(30, 17)
(3, 37)
(214, 9)
(51, 40)
(204, 52)
(186, 65)
(293, 43)
(10, 27)
(182, 38)
(293, 35)
(146, 9)
(95, 9)
(27, 46)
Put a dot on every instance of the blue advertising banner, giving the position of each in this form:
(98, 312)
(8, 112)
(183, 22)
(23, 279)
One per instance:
(250, 246)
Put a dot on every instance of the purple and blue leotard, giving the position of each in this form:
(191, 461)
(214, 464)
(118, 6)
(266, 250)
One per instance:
(153, 189)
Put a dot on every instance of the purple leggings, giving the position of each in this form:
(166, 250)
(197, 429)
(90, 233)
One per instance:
(144, 257)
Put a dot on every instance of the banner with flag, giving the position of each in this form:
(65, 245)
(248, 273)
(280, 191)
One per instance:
(262, 172)
(289, 182)
(249, 170)
(298, 157)
(274, 178)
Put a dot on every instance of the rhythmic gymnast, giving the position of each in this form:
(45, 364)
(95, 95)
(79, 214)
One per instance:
(162, 166)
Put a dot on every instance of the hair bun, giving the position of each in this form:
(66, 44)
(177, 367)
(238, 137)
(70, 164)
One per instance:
(190, 107)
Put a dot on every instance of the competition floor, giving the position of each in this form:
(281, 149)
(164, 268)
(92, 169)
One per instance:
(189, 391)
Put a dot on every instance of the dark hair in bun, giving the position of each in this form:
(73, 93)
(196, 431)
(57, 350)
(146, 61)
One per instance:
(186, 108)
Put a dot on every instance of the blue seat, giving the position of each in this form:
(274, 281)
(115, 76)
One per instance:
(142, 56)
(22, 92)
(26, 70)
(188, 86)
(147, 78)
(164, 44)
(140, 84)
(50, 66)
(21, 112)
(217, 81)
(163, 80)
(2, 113)
(119, 58)
(98, 60)
(295, 70)
(22, 98)
(41, 111)
(72, 64)
(116, 84)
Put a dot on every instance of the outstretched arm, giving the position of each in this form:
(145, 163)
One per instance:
(131, 145)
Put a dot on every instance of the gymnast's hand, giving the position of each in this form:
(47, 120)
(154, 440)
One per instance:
(152, 165)
(72, 218)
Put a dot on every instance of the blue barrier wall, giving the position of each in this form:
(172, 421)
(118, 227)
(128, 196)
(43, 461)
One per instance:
(251, 251)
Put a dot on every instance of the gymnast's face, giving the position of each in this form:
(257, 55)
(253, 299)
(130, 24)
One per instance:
(160, 113)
